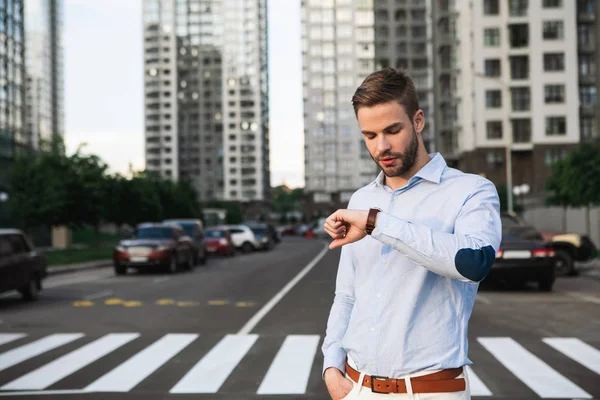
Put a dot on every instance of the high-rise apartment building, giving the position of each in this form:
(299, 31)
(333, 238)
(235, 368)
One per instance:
(588, 38)
(508, 86)
(13, 138)
(206, 96)
(44, 70)
(343, 41)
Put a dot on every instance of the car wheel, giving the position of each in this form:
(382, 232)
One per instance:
(172, 267)
(190, 264)
(203, 258)
(247, 247)
(30, 291)
(564, 264)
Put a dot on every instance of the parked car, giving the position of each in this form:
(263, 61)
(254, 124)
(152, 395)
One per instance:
(160, 245)
(318, 229)
(568, 248)
(265, 235)
(523, 257)
(218, 241)
(243, 238)
(21, 267)
(195, 230)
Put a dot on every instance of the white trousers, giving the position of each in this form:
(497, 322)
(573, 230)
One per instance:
(365, 393)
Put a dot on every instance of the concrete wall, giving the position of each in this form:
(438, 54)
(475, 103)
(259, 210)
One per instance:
(550, 219)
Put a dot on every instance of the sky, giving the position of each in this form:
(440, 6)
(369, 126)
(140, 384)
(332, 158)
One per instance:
(104, 104)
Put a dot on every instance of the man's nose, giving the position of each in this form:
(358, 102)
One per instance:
(383, 144)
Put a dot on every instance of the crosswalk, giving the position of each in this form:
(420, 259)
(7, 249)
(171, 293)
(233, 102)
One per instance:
(290, 366)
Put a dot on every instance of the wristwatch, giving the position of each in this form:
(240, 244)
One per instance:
(371, 219)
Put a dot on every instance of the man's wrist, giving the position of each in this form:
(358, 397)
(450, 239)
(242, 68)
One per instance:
(332, 372)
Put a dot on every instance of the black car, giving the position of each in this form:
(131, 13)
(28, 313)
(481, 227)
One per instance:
(524, 256)
(265, 234)
(21, 267)
(195, 230)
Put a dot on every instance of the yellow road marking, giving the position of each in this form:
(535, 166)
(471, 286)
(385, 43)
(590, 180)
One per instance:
(113, 302)
(187, 303)
(165, 302)
(245, 304)
(218, 302)
(132, 303)
(83, 303)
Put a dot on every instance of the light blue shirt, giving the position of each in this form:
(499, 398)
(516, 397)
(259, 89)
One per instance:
(404, 295)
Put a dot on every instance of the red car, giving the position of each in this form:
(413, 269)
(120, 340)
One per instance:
(218, 241)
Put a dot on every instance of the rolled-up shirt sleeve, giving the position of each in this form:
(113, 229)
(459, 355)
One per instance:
(467, 254)
(339, 316)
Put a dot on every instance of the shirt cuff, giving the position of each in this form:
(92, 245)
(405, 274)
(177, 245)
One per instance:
(334, 357)
(381, 227)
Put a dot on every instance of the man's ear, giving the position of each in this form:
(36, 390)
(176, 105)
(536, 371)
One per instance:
(419, 121)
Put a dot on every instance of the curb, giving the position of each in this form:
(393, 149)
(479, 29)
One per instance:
(62, 269)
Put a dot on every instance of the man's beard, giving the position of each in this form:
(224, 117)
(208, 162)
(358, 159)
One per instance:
(406, 159)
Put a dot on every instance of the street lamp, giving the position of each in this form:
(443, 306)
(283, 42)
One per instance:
(521, 190)
(3, 197)
(508, 150)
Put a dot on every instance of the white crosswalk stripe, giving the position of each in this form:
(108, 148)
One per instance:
(64, 366)
(577, 350)
(288, 373)
(27, 351)
(539, 376)
(127, 375)
(10, 337)
(209, 374)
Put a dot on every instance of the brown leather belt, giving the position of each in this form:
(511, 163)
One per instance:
(443, 381)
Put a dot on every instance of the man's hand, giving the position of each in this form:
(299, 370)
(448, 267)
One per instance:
(346, 226)
(337, 384)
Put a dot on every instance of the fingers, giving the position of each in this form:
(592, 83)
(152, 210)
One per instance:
(335, 229)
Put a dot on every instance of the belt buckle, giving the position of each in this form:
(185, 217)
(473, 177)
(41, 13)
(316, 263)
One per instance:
(379, 378)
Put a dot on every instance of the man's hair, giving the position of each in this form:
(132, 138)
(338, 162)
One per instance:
(385, 86)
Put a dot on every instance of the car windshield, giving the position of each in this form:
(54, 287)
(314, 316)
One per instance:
(189, 229)
(258, 231)
(214, 234)
(154, 233)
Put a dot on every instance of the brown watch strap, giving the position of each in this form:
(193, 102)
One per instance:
(371, 220)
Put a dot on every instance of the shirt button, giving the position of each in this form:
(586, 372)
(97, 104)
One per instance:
(385, 262)
(372, 329)
(371, 363)
(378, 294)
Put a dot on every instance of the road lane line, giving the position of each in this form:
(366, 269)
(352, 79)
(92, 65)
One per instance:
(246, 329)
(579, 296)
(478, 388)
(9, 337)
(99, 295)
(577, 350)
(539, 376)
(66, 365)
(212, 370)
(289, 371)
(127, 375)
(160, 280)
(27, 351)
(40, 393)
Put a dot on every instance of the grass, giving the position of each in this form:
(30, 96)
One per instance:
(74, 256)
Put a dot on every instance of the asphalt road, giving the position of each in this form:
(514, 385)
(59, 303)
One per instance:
(251, 327)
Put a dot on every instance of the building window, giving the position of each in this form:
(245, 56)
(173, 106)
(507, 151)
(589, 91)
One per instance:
(519, 67)
(553, 30)
(519, 35)
(552, 3)
(493, 99)
(495, 158)
(554, 62)
(586, 6)
(585, 35)
(556, 126)
(492, 68)
(588, 128)
(587, 65)
(521, 98)
(494, 129)
(518, 8)
(491, 7)
(554, 94)
(587, 95)
(322, 197)
(553, 155)
(521, 130)
(491, 37)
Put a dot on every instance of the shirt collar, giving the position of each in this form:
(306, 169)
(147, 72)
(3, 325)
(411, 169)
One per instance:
(432, 171)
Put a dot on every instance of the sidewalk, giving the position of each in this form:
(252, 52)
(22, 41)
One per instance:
(60, 269)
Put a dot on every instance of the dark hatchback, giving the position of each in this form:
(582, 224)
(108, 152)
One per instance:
(265, 234)
(162, 245)
(524, 256)
(21, 267)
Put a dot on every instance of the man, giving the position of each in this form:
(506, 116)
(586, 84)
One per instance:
(416, 242)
